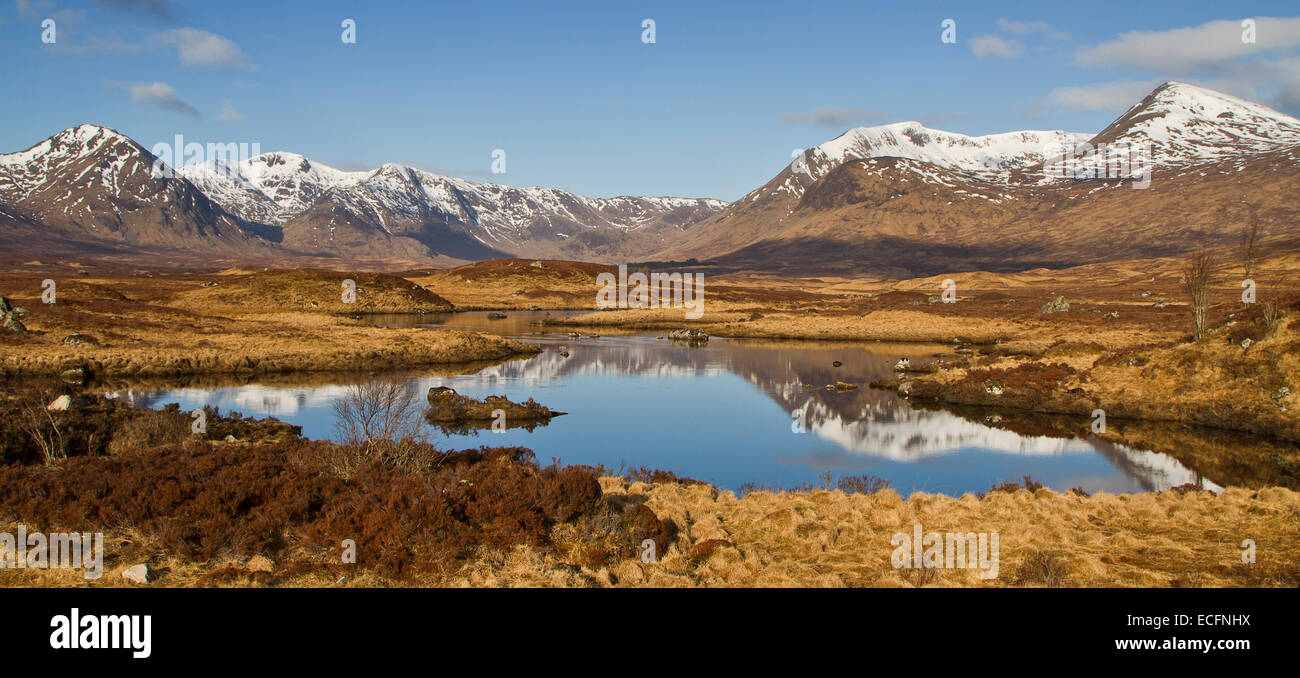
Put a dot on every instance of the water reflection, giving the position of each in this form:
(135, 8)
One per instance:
(736, 412)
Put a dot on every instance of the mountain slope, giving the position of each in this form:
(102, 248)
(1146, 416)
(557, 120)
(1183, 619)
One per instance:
(957, 157)
(1185, 124)
(408, 208)
(941, 203)
(92, 183)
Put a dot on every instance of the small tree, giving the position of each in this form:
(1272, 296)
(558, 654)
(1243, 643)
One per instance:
(379, 412)
(1196, 279)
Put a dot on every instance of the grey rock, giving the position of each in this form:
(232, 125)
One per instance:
(1056, 305)
(436, 393)
(12, 324)
(140, 574)
(79, 339)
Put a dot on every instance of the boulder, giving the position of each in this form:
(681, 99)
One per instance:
(60, 404)
(79, 339)
(438, 393)
(1056, 305)
(12, 324)
(140, 574)
(496, 315)
(77, 376)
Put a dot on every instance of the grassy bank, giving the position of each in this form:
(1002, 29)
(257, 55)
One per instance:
(232, 323)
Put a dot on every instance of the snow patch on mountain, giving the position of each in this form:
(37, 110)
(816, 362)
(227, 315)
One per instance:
(1185, 123)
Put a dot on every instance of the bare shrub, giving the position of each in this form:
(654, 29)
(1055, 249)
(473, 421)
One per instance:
(1043, 567)
(44, 427)
(1196, 280)
(378, 412)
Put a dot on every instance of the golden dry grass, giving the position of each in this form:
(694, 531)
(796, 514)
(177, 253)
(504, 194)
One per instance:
(261, 323)
(831, 539)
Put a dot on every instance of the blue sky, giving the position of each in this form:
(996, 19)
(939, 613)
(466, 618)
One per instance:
(712, 108)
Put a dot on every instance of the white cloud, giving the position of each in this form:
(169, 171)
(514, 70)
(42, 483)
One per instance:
(228, 113)
(983, 46)
(1022, 27)
(1107, 96)
(829, 115)
(1213, 54)
(196, 48)
(159, 93)
(1187, 49)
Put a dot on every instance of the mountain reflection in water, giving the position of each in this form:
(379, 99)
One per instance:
(734, 412)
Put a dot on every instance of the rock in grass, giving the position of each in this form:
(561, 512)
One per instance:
(12, 324)
(1056, 305)
(140, 574)
(60, 404)
(79, 339)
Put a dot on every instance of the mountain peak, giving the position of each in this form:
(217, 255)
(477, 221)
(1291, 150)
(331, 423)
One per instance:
(989, 156)
(1189, 123)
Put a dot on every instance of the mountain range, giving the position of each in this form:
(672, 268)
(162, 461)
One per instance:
(895, 200)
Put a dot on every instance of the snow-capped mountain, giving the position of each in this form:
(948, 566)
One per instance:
(903, 200)
(1185, 124)
(91, 182)
(312, 201)
(993, 157)
(269, 188)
